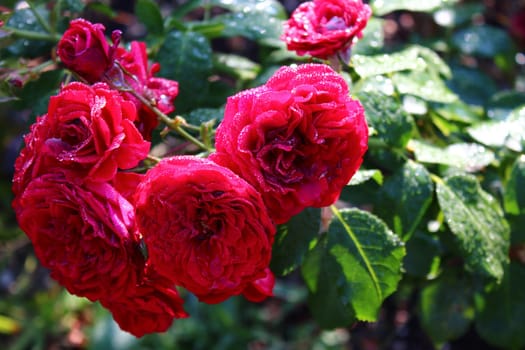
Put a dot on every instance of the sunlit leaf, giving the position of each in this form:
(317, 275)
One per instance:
(509, 133)
(358, 266)
(425, 85)
(362, 176)
(407, 59)
(477, 221)
(469, 157)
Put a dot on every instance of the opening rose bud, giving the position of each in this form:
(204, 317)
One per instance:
(84, 50)
(205, 228)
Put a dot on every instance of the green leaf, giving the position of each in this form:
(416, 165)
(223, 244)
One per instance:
(323, 277)
(469, 157)
(268, 8)
(293, 240)
(373, 38)
(459, 112)
(477, 222)
(238, 66)
(434, 62)
(358, 266)
(251, 25)
(514, 195)
(24, 19)
(405, 197)
(482, 40)
(187, 58)
(472, 85)
(385, 115)
(426, 85)
(362, 176)
(509, 133)
(367, 66)
(500, 316)
(203, 115)
(422, 258)
(36, 93)
(382, 7)
(148, 13)
(503, 104)
(446, 306)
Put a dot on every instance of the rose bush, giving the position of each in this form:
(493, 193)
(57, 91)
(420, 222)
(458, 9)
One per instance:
(85, 234)
(324, 28)
(84, 49)
(206, 229)
(298, 139)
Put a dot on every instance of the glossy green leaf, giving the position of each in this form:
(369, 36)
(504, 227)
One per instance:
(148, 13)
(446, 306)
(186, 58)
(359, 267)
(503, 104)
(477, 222)
(407, 59)
(36, 93)
(237, 66)
(514, 197)
(251, 25)
(472, 85)
(500, 316)
(325, 281)
(434, 62)
(385, 115)
(372, 40)
(405, 197)
(293, 240)
(459, 112)
(469, 157)
(24, 19)
(268, 8)
(382, 7)
(425, 85)
(509, 133)
(362, 176)
(203, 115)
(485, 41)
(423, 255)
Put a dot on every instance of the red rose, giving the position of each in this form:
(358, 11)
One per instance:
(85, 235)
(205, 228)
(260, 289)
(323, 28)
(84, 49)
(149, 307)
(161, 92)
(88, 130)
(298, 139)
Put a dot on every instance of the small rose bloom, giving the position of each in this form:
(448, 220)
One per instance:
(85, 235)
(160, 91)
(149, 307)
(88, 130)
(323, 28)
(84, 50)
(298, 139)
(205, 228)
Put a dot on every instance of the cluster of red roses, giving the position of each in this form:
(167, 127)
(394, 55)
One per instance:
(128, 239)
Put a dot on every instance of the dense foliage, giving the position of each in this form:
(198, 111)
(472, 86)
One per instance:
(427, 238)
